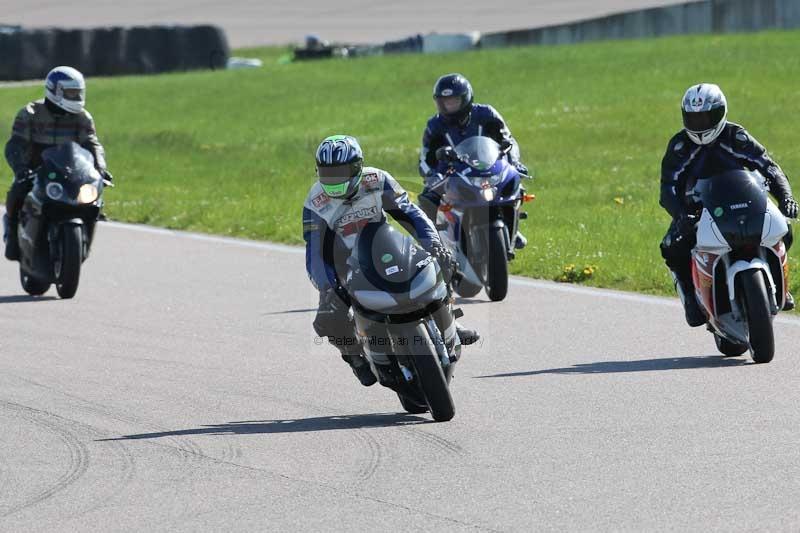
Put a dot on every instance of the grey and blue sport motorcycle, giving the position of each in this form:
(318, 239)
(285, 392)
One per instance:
(404, 318)
(57, 220)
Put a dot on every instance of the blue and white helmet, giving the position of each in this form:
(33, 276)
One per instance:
(66, 88)
(339, 164)
(705, 111)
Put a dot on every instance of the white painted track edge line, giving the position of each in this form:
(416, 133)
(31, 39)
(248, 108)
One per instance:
(515, 280)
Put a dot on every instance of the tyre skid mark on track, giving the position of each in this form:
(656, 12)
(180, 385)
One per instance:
(119, 449)
(191, 453)
(375, 451)
(335, 489)
(78, 454)
(449, 447)
(185, 448)
(195, 455)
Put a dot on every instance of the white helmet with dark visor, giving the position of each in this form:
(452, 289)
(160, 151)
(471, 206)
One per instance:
(704, 111)
(339, 164)
(66, 88)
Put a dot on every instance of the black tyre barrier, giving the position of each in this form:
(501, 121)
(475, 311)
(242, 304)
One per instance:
(107, 52)
(30, 54)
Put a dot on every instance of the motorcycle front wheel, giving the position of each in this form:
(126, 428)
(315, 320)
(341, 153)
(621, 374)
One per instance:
(67, 267)
(497, 265)
(759, 317)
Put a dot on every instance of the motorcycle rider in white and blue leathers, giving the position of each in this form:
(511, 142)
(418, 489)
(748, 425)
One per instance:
(347, 197)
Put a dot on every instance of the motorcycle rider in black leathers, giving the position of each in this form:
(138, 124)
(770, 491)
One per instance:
(57, 119)
(457, 119)
(709, 145)
(347, 197)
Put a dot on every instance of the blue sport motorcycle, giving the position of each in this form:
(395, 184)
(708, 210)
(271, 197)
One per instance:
(479, 215)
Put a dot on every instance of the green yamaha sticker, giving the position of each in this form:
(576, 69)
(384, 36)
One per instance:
(387, 257)
(718, 212)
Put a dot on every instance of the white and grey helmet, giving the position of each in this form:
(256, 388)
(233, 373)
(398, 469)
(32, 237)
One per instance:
(704, 112)
(339, 164)
(66, 88)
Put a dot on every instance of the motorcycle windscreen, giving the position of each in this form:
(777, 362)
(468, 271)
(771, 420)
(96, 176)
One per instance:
(737, 200)
(481, 153)
(386, 261)
(70, 162)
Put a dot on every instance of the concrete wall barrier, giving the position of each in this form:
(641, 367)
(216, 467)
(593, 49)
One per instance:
(30, 54)
(706, 16)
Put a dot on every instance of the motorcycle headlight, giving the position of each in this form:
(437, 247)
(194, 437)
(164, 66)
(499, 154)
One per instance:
(87, 193)
(488, 194)
(54, 191)
(491, 180)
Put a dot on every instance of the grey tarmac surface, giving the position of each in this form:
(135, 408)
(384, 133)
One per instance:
(258, 22)
(182, 390)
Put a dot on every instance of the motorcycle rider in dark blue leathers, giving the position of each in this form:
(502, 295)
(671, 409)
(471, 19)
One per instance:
(347, 197)
(457, 119)
(709, 145)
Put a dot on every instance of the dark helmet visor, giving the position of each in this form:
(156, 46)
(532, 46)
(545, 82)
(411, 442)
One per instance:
(450, 105)
(703, 120)
(333, 175)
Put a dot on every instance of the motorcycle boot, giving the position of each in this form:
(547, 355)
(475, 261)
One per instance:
(685, 288)
(10, 237)
(466, 336)
(788, 305)
(360, 367)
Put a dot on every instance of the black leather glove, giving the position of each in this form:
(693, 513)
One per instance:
(435, 180)
(446, 260)
(330, 301)
(788, 207)
(685, 225)
(522, 169)
(24, 175)
(107, 175)
(445, 153)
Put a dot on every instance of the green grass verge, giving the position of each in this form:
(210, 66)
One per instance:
(232, 152)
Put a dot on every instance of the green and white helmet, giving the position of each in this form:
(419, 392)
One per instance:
(339, 164)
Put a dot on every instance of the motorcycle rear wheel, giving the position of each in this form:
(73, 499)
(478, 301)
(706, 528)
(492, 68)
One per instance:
(728, 348)
(31, 285)
(411, 406)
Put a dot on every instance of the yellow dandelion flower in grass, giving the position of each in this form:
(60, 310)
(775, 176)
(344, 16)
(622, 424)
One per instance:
(588, 271)
(619, 200)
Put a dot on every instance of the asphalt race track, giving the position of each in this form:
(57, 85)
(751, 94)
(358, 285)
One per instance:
(182, 390)
(257, 22)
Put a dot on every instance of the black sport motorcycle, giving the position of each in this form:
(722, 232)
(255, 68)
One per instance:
(57, 220)
(404, 318)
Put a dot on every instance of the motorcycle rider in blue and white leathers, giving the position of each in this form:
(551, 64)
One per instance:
(709, 145)
(346, 198)
(458, 118)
